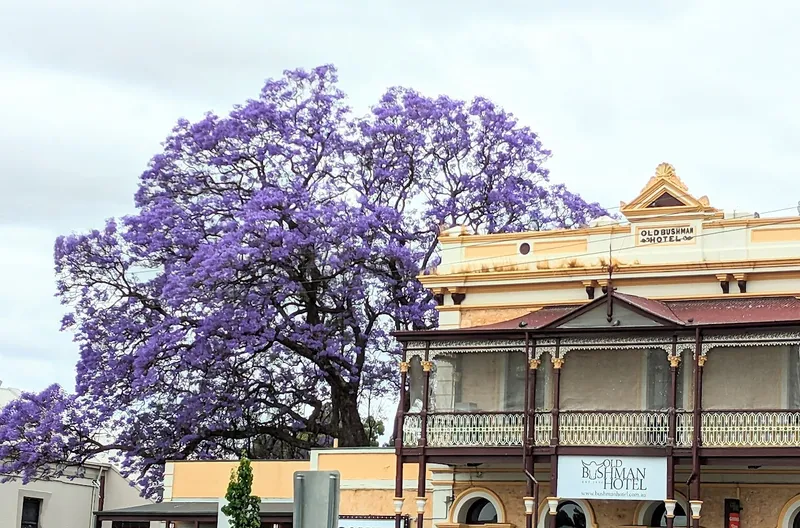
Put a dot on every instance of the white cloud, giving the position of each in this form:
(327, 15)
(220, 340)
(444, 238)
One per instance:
(33, 353)
(90, 88)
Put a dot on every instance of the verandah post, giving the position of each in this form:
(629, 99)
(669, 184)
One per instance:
(558, 362)
(398, 444)
(427, 366)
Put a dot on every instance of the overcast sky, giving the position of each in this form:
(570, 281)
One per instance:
(89, 88)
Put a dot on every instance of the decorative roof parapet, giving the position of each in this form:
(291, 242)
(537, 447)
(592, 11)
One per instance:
(665, 171)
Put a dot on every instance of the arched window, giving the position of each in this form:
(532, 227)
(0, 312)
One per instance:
(659, 516)
(796, 521)
(478, 506)
(481, 512)
(570, 515)
(574, 513)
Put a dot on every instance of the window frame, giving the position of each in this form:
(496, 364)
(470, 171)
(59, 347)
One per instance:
(475, 509)
(130, 524)
(39, 507)
(576, 505)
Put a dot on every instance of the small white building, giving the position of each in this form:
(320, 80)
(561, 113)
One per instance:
(65, 502)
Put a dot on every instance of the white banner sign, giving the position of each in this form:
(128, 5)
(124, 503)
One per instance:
(612, 478)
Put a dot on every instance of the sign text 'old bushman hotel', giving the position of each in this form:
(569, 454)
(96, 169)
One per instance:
(665, 235)
(617, 478)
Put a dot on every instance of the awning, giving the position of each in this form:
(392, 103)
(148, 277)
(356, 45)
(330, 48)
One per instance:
(275, 512)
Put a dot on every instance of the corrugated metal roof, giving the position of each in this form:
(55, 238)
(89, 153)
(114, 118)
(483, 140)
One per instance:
(737, 310)
(699, 312)
(657, 308)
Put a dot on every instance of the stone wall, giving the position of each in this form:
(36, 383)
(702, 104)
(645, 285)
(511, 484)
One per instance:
(762, 504)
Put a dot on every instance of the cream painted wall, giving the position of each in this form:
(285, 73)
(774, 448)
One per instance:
(370, 489)
(762, 503)
(120, 494)
(65, 504)
(692, 286)
(69, 503)
(712, 243)
(367, 479)
(209, 480)
(736, 244)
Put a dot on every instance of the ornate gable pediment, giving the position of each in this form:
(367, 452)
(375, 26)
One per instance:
(622, 317)
(620, 311)
(665, 193)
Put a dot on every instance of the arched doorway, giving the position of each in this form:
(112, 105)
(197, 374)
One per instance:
(570, 515)
(477, 506)
(659, 516)
(789, 517)
(481, 511)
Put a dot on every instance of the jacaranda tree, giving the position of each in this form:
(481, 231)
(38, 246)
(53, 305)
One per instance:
(247, 303)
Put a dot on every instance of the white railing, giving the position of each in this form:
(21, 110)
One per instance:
(498, 429)
(475, 429)
(607, 428)
(412, 430)
(750, 429)
(544, 428)
(684, 429)
(613, 428)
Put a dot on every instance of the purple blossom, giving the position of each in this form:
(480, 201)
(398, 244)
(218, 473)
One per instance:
(247, 303)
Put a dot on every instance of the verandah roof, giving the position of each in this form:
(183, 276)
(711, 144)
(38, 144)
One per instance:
(734, 311)
(276, 512)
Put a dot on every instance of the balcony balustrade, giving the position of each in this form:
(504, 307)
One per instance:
(614, 428)
(751, 429)
(606, 428)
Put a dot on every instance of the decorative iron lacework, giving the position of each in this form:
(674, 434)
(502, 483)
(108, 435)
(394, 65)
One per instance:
(614, 343)
(438, 348)
(543, 346)
(750, 429)
(684, 344)
(752, 339)
(608, 428)
(412, 430)
(628, 429)
(684, 429)
(475, 429)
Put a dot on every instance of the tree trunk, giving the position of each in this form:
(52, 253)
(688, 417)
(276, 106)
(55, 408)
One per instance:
(350, 429)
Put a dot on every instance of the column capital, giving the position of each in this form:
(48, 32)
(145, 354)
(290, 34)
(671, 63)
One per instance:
(674, 361)
(696, 506)
(533, 364)
(427, 365)
(404, 366)
(558, 362)
(702, 360)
